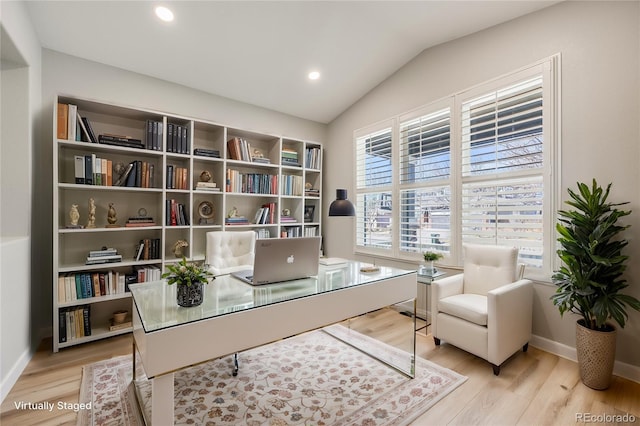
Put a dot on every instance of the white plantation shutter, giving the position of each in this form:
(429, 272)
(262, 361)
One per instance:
(425, 171)
(374, 179)
(478, 166)
(502, 131)
(425, 222)
(502, 169)
(425, 153)
(507, 212)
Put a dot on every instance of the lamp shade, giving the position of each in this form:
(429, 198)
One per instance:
(341, 206)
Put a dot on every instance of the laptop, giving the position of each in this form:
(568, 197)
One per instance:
(282, 259)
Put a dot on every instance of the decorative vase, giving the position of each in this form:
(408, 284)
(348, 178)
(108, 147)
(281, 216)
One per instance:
(190, 295)
(596, 352)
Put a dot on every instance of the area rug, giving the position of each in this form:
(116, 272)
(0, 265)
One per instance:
(310, 379)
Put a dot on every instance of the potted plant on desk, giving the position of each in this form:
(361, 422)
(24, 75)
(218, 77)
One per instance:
(590, 279)
(429, 258)
(190, 279)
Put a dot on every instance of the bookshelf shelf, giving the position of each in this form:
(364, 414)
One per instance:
(164, 158)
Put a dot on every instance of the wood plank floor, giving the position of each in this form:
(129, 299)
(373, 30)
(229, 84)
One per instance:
(534, 388)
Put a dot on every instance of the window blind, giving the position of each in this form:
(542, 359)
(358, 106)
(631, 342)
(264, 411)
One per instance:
(373, 154)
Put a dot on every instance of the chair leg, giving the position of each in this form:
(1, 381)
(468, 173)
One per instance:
(437, 341)
(236, 367)
(496, 369)
(525, 347)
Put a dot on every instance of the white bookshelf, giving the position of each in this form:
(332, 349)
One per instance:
(71, 246)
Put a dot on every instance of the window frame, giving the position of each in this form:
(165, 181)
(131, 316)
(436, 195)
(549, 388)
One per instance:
(549, 69)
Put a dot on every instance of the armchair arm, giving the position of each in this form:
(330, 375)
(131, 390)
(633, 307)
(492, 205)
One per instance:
(509, 319)
(441, 288)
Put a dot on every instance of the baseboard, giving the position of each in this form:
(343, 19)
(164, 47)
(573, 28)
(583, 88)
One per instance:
(621, 369)
(13, 375)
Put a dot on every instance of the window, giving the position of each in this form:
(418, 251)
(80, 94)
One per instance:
(477, 167)
(374, 176)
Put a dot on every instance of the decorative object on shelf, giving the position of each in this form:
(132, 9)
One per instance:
(190, 279)
(308, 212)
(119, 168)
(257, 153)
(429, 258)
(206, 212)
(232, 213)
(120, 316)
(91, 222)
(179, 246)
(591, 278)
(341, 206)
(205, 182)
(286, 212)
(142, 212)
(74, 215)
(112, 217)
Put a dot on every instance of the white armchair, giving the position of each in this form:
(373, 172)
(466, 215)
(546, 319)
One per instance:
(487, 310)
(230, 251)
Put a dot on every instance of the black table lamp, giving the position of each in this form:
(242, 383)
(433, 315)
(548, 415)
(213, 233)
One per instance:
(341, 206)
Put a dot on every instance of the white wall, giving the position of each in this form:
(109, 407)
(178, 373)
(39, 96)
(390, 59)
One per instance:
(600, 47)
(20, 100)
(69, 75)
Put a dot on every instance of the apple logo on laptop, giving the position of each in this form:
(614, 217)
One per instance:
(290, 259)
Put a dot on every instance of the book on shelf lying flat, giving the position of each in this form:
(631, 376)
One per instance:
(120, 325)
(103, 259)
(103, 252)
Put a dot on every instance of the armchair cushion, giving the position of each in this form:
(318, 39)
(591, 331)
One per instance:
(488, 267)
(469, 307)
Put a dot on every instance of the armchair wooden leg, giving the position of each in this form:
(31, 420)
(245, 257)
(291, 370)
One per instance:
(496, 369)
(525, 347)
(437, 341)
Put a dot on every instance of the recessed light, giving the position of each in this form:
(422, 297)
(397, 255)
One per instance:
(314, 75)
(164, 13)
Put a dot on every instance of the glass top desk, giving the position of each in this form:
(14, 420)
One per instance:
(236, 316)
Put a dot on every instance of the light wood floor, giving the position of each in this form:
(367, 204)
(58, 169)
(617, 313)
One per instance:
(533, 388)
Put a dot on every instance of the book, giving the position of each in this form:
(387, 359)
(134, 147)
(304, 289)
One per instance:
(88, 170)
(84, 133)
(87, 125)
(79, 168)
(119, 326)
(103, 252)
(71, 117)
(63, 121)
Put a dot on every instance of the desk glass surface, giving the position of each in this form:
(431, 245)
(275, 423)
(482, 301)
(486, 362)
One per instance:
(156, 301)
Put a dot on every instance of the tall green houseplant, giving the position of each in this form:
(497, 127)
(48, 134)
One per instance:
(590, 279)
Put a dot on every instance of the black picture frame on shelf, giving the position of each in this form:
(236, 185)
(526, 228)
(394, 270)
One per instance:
(308, 213)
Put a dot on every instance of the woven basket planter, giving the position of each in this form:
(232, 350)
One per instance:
(596, 355)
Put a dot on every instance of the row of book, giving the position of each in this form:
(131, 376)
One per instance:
(148, 249)
(74, 323)
(71, 126)
(291, 232)
(155, 132)
(291, 185)
(178, 139)
(176, 213)
(177, 177)
(138, 174)
(239, 149)
(310, 231)
(265, 214)
(92, 170)
(312, 158)
(251, 183)
(84, 285)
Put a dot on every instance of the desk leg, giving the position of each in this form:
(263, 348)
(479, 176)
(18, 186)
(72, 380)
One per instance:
(162, 401)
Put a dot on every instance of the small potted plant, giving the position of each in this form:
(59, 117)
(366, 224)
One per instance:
(429, 258)
(190, 279)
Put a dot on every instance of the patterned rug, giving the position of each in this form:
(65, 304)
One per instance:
(310, 379)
